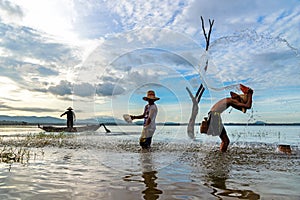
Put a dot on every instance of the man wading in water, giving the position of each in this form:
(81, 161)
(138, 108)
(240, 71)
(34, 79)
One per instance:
(149, 116)
(70, 117)
(239, 102)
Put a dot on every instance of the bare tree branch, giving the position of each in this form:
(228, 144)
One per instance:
(190, 93)
(197, 97)
(211, 23)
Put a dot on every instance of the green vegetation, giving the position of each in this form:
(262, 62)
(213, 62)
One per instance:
(43, 135)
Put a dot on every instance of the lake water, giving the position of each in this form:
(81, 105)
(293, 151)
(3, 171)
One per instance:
(110, 166)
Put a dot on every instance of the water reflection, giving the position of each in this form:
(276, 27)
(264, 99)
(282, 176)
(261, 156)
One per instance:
(218, 168)
(149, 176)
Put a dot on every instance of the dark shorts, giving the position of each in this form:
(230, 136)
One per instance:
(215, 125)
(70, 123)
(145, 143)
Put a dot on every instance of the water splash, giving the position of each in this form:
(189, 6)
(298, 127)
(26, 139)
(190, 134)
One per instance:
(295, 50)
(252, 38)
(234, 87)
(231, 60)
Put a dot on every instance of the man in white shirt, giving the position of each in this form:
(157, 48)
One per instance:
(149, 115)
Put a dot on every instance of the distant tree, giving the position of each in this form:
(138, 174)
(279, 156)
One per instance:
(196, 99)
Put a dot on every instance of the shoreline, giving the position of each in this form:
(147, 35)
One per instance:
(139, 124)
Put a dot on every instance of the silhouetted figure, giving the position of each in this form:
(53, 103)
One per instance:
(70, 117)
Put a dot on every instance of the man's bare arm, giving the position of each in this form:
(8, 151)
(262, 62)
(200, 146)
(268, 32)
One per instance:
(238, 105)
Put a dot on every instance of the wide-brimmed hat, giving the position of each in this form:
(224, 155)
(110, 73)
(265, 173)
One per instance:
(151, 95)
(69, 108)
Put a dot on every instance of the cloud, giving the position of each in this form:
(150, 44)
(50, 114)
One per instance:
(88, 89)
(35, 70)
(136, 58)
(84, 90)
(146, 42)
(33, 60)
(258, 59)
(94, 19)
(24, 42)
(4, 107)
(8, 71)
(231, 16)
(54, 18)
(63, 88)
(9, 12)
(102, 18)
(144, 56)
(140, 14)
(109, 89)
(43, 71)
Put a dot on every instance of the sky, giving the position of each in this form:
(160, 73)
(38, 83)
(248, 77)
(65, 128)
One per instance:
(101, 57)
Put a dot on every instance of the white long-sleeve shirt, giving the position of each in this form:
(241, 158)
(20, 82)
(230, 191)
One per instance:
(150, 112)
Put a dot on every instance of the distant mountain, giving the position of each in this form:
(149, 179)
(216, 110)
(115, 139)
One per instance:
(5, 119)
(171, 124)
(101, 119)
(32, 119)
(260, 123)
(108, 120)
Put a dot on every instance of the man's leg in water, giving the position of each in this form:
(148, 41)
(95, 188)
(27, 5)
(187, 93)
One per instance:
(225, 141)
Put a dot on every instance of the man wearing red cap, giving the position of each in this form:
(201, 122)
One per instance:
(240, 102)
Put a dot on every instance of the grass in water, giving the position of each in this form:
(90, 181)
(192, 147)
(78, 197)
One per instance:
(17, 148)
(36, 140)
(10, 154)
